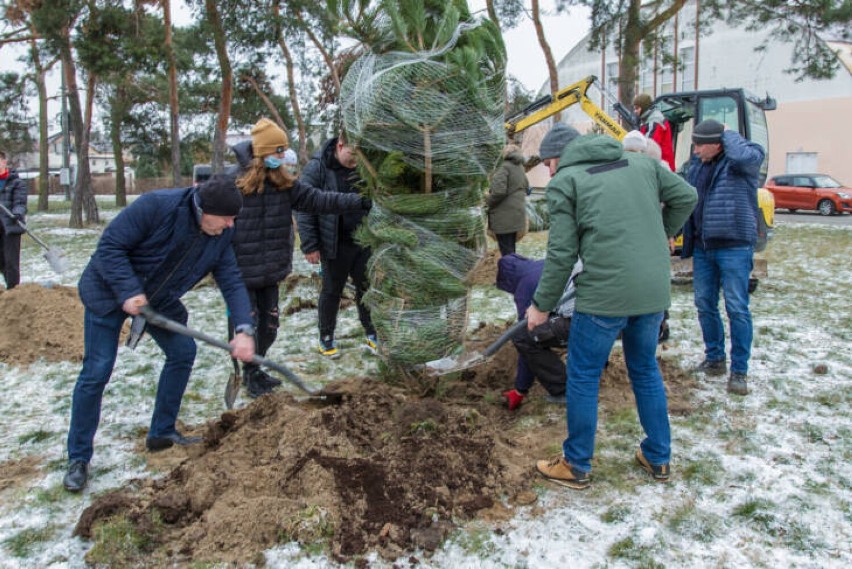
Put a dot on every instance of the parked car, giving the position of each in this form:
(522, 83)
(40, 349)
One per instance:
(818, 192)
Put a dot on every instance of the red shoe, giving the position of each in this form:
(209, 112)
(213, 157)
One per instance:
(513, 399)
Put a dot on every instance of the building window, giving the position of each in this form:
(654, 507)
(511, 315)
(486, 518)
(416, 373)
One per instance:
(687, 68)
(611, 86)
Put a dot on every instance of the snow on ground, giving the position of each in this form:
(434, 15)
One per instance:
(759, 481)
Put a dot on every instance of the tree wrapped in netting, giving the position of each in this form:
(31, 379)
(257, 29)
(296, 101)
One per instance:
(425, 107)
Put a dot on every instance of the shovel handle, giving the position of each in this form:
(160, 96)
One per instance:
(161, 321)
(507, 335)
(23, 226)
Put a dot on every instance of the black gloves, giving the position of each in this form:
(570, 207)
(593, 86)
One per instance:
(20, 217)
(366, 203)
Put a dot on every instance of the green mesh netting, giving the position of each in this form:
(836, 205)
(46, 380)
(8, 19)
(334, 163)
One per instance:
(429, 128)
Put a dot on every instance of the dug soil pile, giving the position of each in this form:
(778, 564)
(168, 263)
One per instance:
(393, 468)
(40, 322)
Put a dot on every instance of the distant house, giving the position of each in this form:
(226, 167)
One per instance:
(808, 131)
(101, 160)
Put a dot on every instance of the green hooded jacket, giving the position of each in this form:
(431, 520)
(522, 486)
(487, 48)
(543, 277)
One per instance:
(605, 208)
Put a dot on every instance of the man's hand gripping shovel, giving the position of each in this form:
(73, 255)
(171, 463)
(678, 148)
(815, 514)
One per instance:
(161, 321)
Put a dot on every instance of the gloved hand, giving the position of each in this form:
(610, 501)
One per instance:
(513, 399)
(366, 204)
(20, 217)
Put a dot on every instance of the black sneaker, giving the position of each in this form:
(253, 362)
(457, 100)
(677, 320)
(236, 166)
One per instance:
(737, 383)
(77, 476)
(255, 386)
(712, 367)
(660, 472)
(155, 444)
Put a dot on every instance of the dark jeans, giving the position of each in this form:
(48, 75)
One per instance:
(506, 242)
(351, 261)
(264, 308)
(10, 258)
(101, 344)
(539, 356)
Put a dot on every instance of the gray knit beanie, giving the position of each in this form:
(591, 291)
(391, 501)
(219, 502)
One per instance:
(555, 141)
(708, 132)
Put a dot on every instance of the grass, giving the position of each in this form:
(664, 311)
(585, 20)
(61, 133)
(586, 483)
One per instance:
(24, 543)
(118, 543)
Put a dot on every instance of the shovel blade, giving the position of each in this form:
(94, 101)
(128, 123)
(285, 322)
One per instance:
(232, 388)
(448, 364)
(56, 260)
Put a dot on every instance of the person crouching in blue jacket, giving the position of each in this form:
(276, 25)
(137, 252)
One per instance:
(152, 253)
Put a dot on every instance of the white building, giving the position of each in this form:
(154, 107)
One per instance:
(809, 129)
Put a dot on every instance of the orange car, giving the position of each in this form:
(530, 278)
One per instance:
(810, 191)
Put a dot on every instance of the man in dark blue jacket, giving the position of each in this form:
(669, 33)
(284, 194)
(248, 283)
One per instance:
(328, 239)
(152, 253)
(721, 234)
(13, 195)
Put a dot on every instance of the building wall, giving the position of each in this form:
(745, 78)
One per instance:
(820, 127)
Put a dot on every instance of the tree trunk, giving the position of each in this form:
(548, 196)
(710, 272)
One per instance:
(326, 56)
(548, 53)
(633, 34)
(43, 165)
(291, 90)
(270, 106)
(117, 114)
(174, 107)
(83, 181)
(220, 134)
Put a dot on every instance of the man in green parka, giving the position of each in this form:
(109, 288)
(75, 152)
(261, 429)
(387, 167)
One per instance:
(605, 208)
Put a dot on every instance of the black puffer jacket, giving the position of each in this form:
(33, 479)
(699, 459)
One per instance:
(13, 195)
(321, 232)
(263, 241)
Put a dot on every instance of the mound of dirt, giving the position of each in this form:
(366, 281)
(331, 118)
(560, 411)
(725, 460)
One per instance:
(40, 322)
(391, 469)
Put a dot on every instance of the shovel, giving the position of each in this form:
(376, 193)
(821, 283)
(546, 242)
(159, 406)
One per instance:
(161, 321)
(451, 364)
(232, 388)
(55, 257)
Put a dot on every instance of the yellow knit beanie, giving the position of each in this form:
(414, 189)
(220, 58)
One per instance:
(268, 138)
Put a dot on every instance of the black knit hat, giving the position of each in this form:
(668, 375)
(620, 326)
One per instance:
(555, 141)
(708, 132)
(219, 196)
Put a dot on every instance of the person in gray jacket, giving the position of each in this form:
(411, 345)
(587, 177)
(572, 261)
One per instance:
(13, 195)
(507, 200)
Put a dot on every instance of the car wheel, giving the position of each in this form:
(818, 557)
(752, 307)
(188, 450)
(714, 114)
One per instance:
(792, 210)
(826, 207)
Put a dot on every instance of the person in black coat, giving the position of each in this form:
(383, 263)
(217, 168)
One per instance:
(263, 241)
(13, 195)
(327, 239)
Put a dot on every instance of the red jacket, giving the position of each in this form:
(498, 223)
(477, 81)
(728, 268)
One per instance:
(657, 128)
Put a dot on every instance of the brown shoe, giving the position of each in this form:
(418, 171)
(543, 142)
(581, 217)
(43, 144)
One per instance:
(558, 470)
(660, 472)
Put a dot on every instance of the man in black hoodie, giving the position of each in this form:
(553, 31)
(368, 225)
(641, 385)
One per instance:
(327, 239)
(13, 195)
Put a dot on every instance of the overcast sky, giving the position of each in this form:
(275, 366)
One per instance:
(526, 61)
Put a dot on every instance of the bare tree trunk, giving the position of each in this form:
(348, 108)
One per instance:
(83, 196)
(492, 12)
(270, 106)
(548, 53)
(117, 114)
(227, 87)
(329, 61)
(43, 165)
(294, 101)
(174, 107)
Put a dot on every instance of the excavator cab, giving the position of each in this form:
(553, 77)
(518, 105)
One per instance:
(736, 108)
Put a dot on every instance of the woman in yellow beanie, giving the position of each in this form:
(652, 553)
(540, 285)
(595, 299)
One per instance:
(263, 241)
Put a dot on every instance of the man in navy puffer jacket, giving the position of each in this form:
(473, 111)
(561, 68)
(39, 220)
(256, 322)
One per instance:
(152, 253)
(721, 234)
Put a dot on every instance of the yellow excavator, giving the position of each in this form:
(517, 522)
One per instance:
(736, 108)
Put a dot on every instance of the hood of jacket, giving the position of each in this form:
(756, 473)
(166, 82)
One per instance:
(244, 153)
(590, 148)
(515, 157)
(512, 268)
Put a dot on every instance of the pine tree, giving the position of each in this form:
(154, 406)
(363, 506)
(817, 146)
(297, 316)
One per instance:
(425, 108)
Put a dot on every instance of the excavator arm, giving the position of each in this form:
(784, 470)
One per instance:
(548, 106)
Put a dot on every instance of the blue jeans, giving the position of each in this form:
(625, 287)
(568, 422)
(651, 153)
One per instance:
(589, 345)
(729, 270)
(101, 334)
